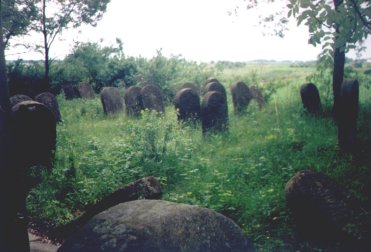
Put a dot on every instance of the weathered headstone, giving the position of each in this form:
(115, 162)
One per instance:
(211, 79)
(215, 86)
(191, 86)
(152, 98)
(70, 92)
(133, 101)
(321, 208)
(214, 112)
(50, 101)
(86, 91)
(310, 98)
(348, 113)
(187, 104)
(257, 95)
(18, 98)
(156, 225)
(241, 97)
(33, 134)
(111, 100)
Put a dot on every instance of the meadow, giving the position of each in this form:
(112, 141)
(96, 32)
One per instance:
(241, 173)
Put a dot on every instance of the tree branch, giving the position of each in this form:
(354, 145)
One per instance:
(365, 22)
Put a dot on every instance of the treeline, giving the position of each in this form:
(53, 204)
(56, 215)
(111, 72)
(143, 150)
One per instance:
(106, 66)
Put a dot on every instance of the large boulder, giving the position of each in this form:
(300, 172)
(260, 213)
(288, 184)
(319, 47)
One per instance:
(310, 98)
(324, 211)
(133, 101)
(51, 102)
(187, 104)
(347, 115)
(214, 112)
(112, 100)
(156, 225)
(152, 98)
(241, 97)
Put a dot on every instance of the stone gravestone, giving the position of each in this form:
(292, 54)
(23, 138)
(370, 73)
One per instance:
(322, 209)
(211, 79)
(348, 113)
(310, 98)
(86, 91)
(33, 134)
(50, 101)
(241, 97)
(111, 100)
(187, 104)
(152, 98)
(70, 92)
(156, 225)
(191, 86)
(215, 86)
(133, 101)
(214, 112)
(257, 95)
(19, 98)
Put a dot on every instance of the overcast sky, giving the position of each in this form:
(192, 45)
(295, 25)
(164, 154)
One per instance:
(200, 30)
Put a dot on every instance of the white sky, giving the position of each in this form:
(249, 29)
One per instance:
(198, 30)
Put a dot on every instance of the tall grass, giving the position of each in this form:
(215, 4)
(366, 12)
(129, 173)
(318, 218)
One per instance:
(241, 173)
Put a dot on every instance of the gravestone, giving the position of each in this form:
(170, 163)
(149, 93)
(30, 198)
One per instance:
(215, 86)
(310, 98)
(187, 104)
(241, 97)
(111, 100)
(157, 225)
(18, 98)
(348, 113)
(70, 92)
(191, 86)
(33, 134)
(257, 95)
(133, 101)
(322, 209)
(50, 101)
(86, 91)
(214, 112)
(152, 98)
(211, 79)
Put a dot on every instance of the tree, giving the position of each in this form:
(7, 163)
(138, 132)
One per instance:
(58, 15)
(17, 17)
(337, 25)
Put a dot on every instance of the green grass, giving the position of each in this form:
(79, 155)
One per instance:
(241, 174)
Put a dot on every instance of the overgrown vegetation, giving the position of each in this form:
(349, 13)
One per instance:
(241, 173)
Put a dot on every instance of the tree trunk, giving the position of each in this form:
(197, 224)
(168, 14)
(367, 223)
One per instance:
(338, 71)
(46, 50)
(337, 79)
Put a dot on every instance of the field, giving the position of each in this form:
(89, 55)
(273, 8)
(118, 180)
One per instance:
(241, 174)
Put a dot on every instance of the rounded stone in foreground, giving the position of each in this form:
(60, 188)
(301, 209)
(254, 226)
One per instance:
(156, 225)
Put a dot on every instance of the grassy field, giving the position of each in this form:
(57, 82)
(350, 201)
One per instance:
(241, 174)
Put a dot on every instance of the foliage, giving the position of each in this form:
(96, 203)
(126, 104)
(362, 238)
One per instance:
(350, 18)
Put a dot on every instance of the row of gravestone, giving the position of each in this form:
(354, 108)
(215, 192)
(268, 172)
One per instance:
(212, 111)
(346, 114)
